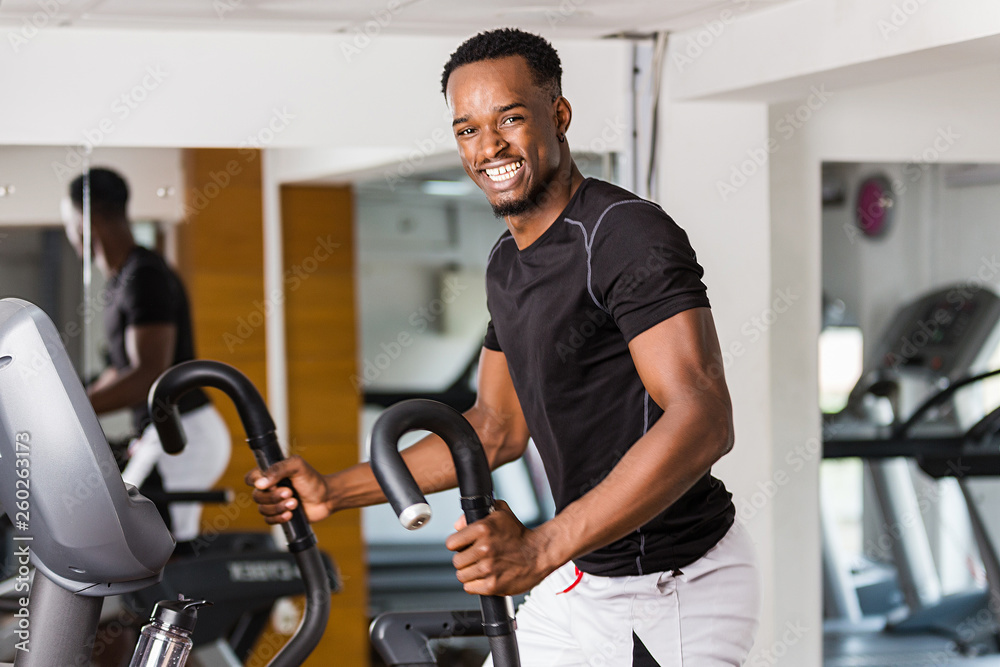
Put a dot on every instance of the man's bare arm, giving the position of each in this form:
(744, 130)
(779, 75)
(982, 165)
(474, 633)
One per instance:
(496, 417)
(150, 349)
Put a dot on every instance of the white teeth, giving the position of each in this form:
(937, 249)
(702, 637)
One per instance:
(505, 172)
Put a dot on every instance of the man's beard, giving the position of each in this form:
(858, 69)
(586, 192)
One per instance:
(515, 207)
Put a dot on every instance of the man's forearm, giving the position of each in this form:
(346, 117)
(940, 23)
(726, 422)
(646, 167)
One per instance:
(429, 460)
(126, 388)
(657, 470)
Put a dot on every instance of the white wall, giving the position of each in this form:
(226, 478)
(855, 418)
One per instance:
(778, 54)
(172, 88)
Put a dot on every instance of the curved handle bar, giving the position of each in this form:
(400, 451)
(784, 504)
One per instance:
(261, 437)
(474, 482)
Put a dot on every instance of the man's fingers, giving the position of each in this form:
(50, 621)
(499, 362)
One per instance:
(251, 477)
(470, 555)
(463, 538)
(271, 506)
(271, 495)
(485, 585)
(460, 522)
(277, 472)
(476, 570)
(280, 518)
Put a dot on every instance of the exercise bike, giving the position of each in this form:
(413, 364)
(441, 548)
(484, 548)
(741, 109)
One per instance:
(115, 542)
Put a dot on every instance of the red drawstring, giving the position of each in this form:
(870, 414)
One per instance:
(579, 578)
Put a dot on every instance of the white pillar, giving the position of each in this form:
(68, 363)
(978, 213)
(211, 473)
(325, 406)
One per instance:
(274, 293)
(717, 181)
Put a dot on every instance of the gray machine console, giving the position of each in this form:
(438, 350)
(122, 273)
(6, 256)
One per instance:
(943, 332)
(59, 484)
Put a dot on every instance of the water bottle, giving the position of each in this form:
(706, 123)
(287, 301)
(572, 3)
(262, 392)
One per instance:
(166, 640)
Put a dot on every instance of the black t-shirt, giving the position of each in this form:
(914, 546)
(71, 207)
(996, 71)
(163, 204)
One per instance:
(147, 291)
(563, 311)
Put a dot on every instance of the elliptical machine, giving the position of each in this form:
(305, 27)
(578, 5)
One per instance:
(403, 638)
(115, 542)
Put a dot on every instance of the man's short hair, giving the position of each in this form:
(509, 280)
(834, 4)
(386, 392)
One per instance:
(108, 192)
(542, 59)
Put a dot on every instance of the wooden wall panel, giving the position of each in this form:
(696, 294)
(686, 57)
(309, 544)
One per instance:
(220, 252)
(320, 324)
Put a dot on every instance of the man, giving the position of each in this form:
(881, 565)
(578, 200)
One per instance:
(148, 326)
(602, 348)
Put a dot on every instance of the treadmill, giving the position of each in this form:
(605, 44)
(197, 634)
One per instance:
(911, 409)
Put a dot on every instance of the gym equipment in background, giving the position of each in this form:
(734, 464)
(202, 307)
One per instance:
(909, 406)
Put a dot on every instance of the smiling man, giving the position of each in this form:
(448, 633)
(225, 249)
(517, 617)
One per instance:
(602, 349)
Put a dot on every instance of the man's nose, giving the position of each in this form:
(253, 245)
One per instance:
(492, 145)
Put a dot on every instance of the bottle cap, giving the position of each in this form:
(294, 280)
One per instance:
(178, 613)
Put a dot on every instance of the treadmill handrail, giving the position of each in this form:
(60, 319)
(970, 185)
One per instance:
(901, 430)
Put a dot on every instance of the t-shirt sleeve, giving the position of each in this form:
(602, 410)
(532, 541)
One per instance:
(148, 297)
(490, 342)
(643, 268)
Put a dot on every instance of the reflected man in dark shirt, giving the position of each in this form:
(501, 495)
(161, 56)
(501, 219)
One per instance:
(147, 321)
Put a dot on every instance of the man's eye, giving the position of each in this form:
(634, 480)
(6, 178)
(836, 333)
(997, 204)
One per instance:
(510, 119)
(466, 131)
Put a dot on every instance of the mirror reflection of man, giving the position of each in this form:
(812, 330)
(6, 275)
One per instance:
(147, 320)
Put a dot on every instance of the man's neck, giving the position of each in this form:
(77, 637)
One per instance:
(116, 249)
(526, 228)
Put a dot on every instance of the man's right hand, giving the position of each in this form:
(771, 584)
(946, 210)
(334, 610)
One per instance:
(276, 502)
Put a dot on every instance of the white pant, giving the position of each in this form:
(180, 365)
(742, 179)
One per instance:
(705, 616)
(197, 468)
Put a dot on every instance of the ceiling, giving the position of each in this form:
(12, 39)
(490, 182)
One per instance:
(555, 18)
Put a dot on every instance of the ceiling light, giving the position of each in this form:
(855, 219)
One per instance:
(446, 188)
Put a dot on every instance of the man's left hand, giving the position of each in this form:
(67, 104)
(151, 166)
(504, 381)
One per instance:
(497, 555)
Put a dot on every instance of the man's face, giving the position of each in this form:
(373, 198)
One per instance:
(73, 223)
(506, 130)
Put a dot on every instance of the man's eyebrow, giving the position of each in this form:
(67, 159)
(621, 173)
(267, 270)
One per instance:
(502, 109)
(508, 107)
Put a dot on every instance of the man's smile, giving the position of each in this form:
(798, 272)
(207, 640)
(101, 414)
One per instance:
(504, 172)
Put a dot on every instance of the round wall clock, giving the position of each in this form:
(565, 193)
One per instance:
(874, 206)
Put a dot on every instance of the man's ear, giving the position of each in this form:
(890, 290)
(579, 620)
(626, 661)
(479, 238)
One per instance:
(563, 114)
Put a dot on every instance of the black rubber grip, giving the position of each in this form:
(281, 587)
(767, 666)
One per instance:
(298, 532)
(471, 466)
(504, 650)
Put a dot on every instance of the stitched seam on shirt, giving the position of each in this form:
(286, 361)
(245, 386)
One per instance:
(645, 412)
(586, 246)
(618, 203)
(499, 243)
(588, 243)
